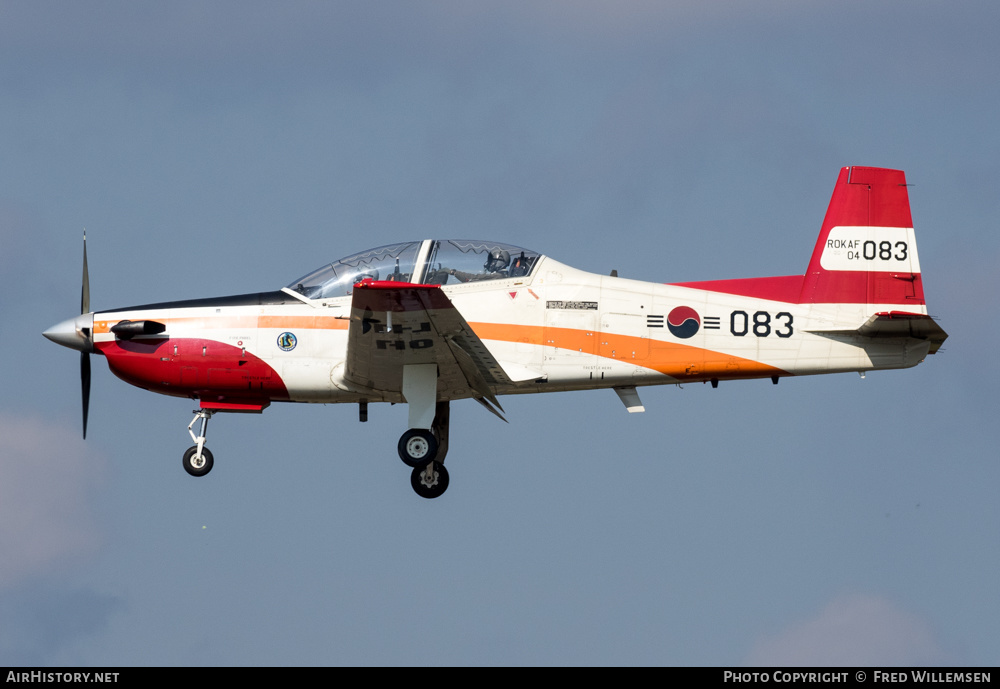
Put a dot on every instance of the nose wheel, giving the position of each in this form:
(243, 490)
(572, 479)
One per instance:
(198, 459)
(198, 464)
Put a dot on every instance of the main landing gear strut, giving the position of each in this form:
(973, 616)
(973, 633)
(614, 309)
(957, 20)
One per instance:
(425, 445)
(198, 459)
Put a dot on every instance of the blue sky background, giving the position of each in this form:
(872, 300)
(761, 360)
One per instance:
(228, 147)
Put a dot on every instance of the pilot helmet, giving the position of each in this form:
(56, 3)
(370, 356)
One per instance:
(497, 260)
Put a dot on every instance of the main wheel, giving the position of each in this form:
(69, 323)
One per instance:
(429, 480)
(198, 466)
(417, 447)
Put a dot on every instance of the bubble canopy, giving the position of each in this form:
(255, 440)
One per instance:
(432, 261)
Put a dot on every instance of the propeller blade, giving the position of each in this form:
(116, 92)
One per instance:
(85, 387)
(85, 290)
(84, 357)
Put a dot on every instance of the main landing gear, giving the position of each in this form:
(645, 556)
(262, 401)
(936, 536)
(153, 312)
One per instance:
(198, 459)
(424, 451)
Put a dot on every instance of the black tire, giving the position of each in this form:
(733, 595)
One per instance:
(417, 447)
(205, 467)
(429, 485)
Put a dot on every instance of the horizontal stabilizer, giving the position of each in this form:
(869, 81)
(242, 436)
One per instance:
(898, 324)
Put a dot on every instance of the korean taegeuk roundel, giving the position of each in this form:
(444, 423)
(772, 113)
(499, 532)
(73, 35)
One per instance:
(683, 322)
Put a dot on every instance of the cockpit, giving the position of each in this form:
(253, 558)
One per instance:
(432, 262)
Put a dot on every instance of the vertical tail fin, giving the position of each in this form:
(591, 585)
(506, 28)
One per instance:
(866, 252)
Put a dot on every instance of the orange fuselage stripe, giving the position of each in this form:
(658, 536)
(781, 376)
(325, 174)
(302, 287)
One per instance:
(670, 358)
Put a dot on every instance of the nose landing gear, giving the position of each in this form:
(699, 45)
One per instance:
(198, 459)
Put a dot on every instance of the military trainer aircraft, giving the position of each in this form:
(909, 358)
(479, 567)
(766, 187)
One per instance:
(427, 322)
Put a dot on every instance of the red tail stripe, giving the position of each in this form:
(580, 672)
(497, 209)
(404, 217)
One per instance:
(863, 197)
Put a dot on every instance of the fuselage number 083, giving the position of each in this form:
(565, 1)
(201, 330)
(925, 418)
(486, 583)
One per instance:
(761, 324)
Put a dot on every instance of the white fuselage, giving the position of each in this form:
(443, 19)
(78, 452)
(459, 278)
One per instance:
(557, 329)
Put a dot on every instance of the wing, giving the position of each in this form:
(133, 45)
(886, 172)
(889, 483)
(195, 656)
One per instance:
(396, 324)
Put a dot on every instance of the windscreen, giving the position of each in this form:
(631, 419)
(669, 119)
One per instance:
(394, 262)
